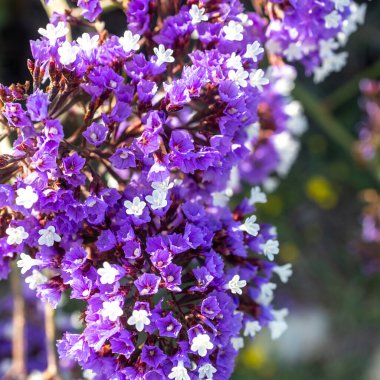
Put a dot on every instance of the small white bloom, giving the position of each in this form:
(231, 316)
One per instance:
(270, 249)
(236, 285)
(253, 50)
(327, 47)
(266, 294)
(35, 279)
(278, 326)
(157, 199)
(234, 62)
(250, 226)
(341, 4)
(293, 52)
(239, 76)
(87, 43)
(107, 274)
(164, 186)
(52, 32)
(257, 79)
(220, 199)
(112, 310)
(68, 53)
(234, 31)
(283, 272)
(26, 197)
(179, 372)
(251, 328)
(257, 196)
(332, 20)
(197, 14)
(139, 318)
(130, 41)
(163, 55)
(237, 343)
(26, 262)
(200, 344)
(136, 207)
(206, 371)
(16, 235)
(48, 236)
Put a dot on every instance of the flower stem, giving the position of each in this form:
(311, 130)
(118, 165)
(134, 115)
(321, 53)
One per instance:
(350, 89)
(51, 372)
(18, 369)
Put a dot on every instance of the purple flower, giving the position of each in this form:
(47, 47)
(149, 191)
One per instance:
(147, 284)
(73, 164)
(168, 326)
(95, 134)
(37, 105)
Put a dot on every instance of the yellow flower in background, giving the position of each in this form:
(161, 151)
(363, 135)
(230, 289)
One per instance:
(320, 190)
(254, 357)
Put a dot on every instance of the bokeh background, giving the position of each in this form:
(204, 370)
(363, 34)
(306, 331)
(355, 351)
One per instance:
(334, 295)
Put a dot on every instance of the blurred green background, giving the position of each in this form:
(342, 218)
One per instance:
(334, 302)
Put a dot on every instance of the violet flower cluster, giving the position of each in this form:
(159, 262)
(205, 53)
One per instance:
(367, 148)
(312, 32)
(116, 189)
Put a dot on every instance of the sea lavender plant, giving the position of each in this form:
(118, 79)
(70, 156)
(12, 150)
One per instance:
(115, 190)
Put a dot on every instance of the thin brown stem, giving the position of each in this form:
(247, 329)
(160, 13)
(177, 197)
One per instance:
(51, 372)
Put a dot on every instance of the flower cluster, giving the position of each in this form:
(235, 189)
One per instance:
(367, 149)
(117, 187)
(312, 32)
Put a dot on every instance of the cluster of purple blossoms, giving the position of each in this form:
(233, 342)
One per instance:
(116, 189)
(311, 32)
(367, 148)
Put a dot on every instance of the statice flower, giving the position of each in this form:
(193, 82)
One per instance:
(312, 32)
(117, 192)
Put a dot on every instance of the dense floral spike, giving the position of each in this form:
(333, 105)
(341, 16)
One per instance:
(125, 157)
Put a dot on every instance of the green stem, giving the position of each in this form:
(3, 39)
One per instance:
(322, 116)
(346, 92)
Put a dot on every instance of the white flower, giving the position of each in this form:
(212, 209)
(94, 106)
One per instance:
(234, 62)
(257, 196)
(253, 50)
(157, 199)
(332, 20)
(26, 197)
(220, 199)
(235, 285)
(136, 207)
(163, 55)
(270, 249)
(250, 226)
(139, 318)
(257, 79)
(35, 279)
(341, 4)
(68, 53)
(278, 326)
(233, 31)
(251, 328)
(130, 41)
(293, 52)
(266, 294)
(16, 235)
(52, 32)
(237, 343)
(197, 14)
(179, 372)
(239, 76)
(163, 186)
(48, 236)
(283, 272)
(206, 371)
(26, 262)
(327, 47)
(200, 344)
(88, 44)
(112, 310)
(107, 274)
